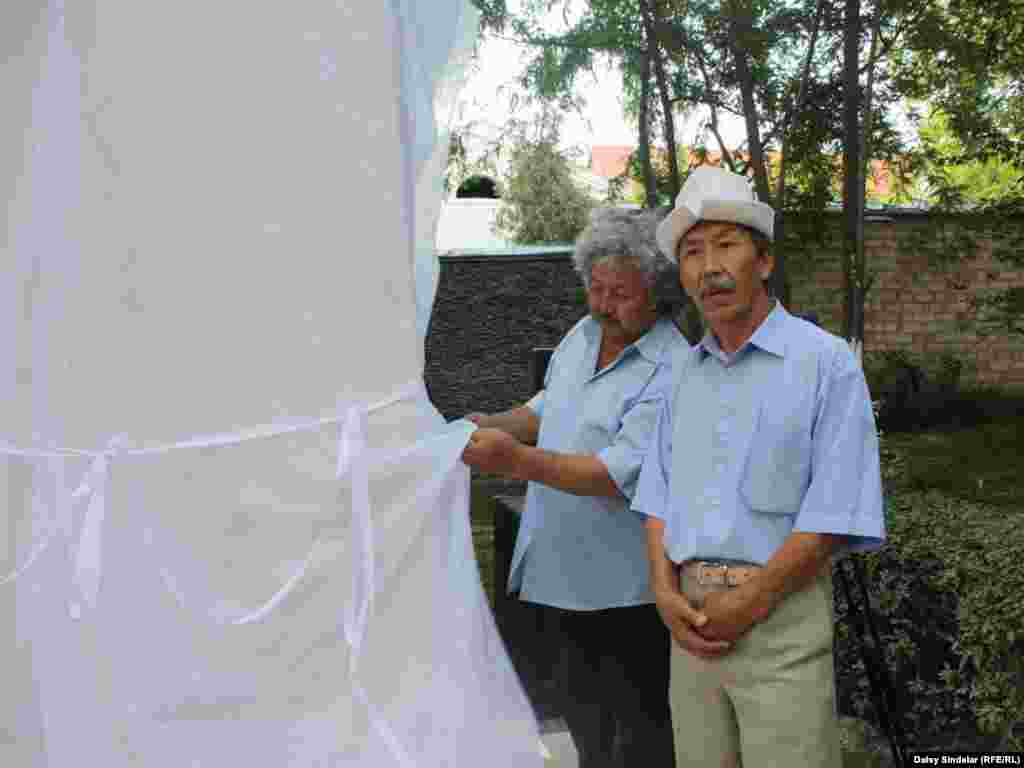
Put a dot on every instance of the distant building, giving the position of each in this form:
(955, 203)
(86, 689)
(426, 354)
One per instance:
(609, 161)
(467, 223)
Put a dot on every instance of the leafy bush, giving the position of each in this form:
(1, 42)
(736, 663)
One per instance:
(542, 202)
(949, 587)
(943, 371)
(927, 392)
(478, 186)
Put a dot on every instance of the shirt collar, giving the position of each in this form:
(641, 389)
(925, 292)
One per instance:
(769, 336)
(651, 346)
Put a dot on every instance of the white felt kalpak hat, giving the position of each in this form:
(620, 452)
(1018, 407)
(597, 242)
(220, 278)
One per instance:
(713, 194)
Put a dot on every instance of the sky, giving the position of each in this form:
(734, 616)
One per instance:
(500, 61)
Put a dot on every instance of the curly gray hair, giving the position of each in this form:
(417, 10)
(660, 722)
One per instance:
(626, 237)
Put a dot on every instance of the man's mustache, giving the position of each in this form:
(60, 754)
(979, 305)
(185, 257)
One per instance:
(601, 317)
(718, 282)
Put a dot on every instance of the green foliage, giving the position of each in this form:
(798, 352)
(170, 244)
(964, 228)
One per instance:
(948, 583)
(967, 57)
(972, 466)
(662, 176)
(944, 370)
(956, 232)
(478, 186)
(945, 174)
(1003, 309)
(462, 164)
(973, 554)
(542, 201)
(493, 14)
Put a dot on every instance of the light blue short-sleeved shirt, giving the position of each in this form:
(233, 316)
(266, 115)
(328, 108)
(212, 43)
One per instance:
(777, 438)
(582, 552)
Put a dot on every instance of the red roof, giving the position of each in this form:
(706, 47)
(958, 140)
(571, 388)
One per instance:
(609, 161)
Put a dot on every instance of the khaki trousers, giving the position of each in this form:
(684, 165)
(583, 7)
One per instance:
(770, 702)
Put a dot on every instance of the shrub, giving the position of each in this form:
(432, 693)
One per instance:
(920, 392)
(478, 186)
(542, 202)
(949, 587)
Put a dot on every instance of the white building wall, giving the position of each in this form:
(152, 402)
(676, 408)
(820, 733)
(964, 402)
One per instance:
(467, 224)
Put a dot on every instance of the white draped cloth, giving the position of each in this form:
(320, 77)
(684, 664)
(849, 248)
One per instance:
(235, 531)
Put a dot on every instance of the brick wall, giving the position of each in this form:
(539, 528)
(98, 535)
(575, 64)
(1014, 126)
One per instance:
(492, 309)
(918, 303)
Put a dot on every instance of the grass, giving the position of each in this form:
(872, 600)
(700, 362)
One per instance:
(980, 465)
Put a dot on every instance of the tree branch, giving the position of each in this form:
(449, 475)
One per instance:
(555, 42)
(726, 155)
(659, 74)
(805, 76)
(740, 16)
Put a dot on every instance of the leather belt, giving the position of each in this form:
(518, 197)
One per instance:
(714, 573)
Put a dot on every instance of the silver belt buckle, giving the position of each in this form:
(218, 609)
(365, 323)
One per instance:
(719, 568)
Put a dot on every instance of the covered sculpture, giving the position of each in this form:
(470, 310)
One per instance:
(235, 529)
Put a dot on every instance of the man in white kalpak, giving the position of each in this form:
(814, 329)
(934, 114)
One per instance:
(763, 466)
(579, 555)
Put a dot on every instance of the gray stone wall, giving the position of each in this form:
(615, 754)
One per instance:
(491, 310)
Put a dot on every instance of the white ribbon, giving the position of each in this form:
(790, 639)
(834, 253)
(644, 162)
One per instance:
(353, 463)
(235, 617)
(354, 459)
(88, 569)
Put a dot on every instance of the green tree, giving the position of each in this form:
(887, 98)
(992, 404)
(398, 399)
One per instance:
(777, 64)
(770, 61)
(967, 58)
(982, 198)
(542, 202)
(943, 171)
(668, 177)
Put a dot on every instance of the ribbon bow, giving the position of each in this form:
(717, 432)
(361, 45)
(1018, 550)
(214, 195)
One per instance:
(89, 557)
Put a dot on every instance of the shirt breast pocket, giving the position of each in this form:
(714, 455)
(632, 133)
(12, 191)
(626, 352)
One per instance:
(778, 466)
